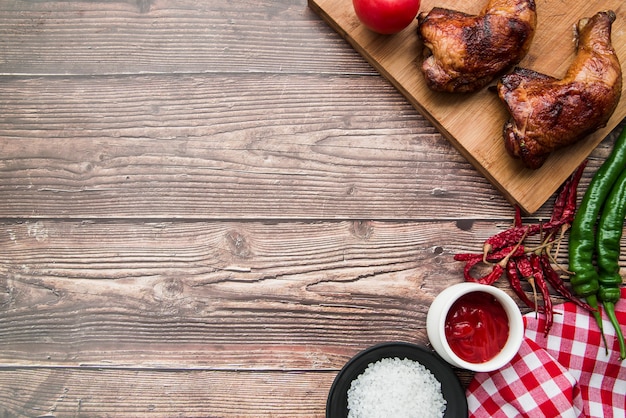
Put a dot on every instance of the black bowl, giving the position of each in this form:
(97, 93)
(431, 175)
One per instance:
(456, 402)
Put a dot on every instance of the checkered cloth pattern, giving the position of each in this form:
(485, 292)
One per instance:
(564, 374)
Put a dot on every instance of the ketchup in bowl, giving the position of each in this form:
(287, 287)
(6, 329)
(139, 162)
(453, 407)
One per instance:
(476, 327)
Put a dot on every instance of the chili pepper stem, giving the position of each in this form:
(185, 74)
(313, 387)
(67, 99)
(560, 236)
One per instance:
(486, 250)
(553, 257)
(544, 246)
(559, 266)
(564, 228)
(609, 308)
(518, 217)
(531, 280)
(506, 259)
(592, 300)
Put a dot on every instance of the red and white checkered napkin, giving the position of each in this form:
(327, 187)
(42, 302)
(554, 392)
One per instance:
(566, 374)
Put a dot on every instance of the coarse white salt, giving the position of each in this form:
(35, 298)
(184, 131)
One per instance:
(396, 388)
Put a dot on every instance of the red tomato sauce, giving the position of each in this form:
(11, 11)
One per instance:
(476, 327)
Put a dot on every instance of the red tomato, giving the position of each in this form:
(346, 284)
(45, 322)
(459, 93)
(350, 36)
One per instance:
(386, 16)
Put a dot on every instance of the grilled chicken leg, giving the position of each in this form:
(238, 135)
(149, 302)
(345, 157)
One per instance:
(548, 113)
(463, 53)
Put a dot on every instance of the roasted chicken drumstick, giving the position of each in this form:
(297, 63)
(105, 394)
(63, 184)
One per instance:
(463, 53)
(548, 113)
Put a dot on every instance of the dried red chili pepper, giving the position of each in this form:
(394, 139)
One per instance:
(538, 275)
(518, 217)
(509, 251)
(467, 269)
(467, 256)
(509, 237)
(567, 217)
(506, 252)
(513, 276)
(491, 277)
(526, 272)
(524, 266)
(565, 203)
(559, 203)
(500, 258)
(555, 281)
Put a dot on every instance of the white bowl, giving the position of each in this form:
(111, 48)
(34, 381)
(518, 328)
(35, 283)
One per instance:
(435, 326)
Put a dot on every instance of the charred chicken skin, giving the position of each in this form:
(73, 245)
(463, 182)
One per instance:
(549, 113)
(463, 53)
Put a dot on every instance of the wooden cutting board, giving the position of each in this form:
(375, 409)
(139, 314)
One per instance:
(473, 123)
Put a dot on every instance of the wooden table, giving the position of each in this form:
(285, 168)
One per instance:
(206, 208)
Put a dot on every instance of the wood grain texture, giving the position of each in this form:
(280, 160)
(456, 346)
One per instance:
(473, 123)
(70, 392)
(262, 296)
(258, 296)
(206, 208)
(262, 146)
(169, 37)
(238, 145)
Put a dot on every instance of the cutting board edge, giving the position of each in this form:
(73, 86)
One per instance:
(521, 198)
(423, 111)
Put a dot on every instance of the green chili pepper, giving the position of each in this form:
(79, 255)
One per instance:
(609, 234)
(585, 280)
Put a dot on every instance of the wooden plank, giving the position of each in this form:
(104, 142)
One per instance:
(64, 392)
(169, 37)
(220, 295)
(473, 123)
(141, 145)
(200, 147)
